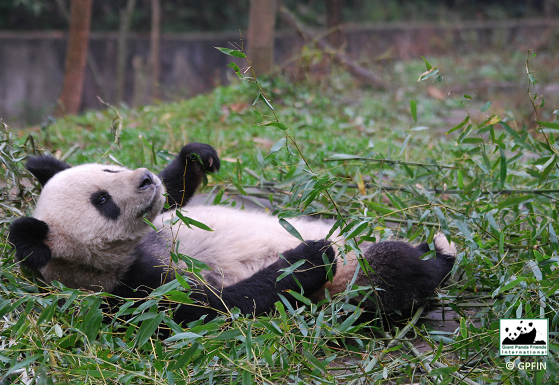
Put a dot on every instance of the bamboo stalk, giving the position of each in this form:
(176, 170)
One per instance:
(390, 161)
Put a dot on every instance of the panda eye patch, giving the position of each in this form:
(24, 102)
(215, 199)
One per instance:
(105, 205)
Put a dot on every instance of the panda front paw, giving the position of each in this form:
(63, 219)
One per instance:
(28, 236)
(315, 271)
(312, 252)
(203, 154)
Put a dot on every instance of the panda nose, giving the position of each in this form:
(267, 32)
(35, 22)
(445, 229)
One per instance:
(146, 180)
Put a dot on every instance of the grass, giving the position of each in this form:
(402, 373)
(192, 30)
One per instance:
(490, 185)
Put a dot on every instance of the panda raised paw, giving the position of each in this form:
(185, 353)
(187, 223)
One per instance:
(185, 173)
(201, 152)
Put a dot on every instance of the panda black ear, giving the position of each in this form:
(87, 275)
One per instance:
(28, 236)
(45, 167)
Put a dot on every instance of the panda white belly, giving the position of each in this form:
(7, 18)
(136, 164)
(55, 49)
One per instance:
(242, 242)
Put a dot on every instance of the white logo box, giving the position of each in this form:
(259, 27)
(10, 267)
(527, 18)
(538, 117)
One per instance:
(523, 337)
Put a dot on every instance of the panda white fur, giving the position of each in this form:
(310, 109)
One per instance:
(88, 231)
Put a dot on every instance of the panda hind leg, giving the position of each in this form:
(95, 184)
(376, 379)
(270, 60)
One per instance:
(404, 279)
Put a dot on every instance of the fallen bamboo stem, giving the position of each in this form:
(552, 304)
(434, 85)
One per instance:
(354, 68)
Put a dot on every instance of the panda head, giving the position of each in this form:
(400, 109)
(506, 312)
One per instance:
(525, 327)
(90, 214)
(512, 333)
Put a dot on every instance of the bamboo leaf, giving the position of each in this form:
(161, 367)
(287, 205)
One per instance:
(405, 144)
(313, 360)
(147, 329)
(186, 357)
(381, 209)
(514, 201)
(231, 52)
(300, 298)
(191, 222)
(445, 372)
(442, 221)
(503, 171)
(22, 364)
(464, 133)
(279, 125)
(439, 351)
(464, 230)
(357, 230)
(182, 281)
(511, 284)
(472, 140)
(246, 377)
(277, 146)
(428, 74)
(290, 229)
(429, 66)
(350, 320)
(413, 108)
(460, 125)
(546, 169)
(536, 270)
(463, 329)
(289, 270)
(553, 126)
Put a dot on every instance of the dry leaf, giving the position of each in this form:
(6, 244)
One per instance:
(436, 93)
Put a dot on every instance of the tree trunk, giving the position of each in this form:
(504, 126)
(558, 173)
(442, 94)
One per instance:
(124, 28)
(334, 22)
(76, 54)
(154, 47)
(262, 18)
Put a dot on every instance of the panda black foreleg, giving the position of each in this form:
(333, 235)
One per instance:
(28, 236)
(183, 176)
(258, 293)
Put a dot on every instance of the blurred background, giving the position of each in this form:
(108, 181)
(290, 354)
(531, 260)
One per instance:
(146, 51)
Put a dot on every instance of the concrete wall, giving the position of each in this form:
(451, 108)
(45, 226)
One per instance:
(32, 63)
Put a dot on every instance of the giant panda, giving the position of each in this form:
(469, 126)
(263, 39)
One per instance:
(91, 230)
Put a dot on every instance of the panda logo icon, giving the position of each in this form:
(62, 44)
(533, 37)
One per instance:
(523, 333)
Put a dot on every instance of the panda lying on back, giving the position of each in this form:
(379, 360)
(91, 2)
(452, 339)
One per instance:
(88, 232)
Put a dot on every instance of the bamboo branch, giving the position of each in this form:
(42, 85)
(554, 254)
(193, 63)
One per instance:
(438, 365)
(390, 161)
(275, 185)
(343, 59)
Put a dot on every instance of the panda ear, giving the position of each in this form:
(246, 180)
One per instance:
(28, 236)
(45, 167)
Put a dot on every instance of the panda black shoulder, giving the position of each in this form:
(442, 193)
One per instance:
(147, 271)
